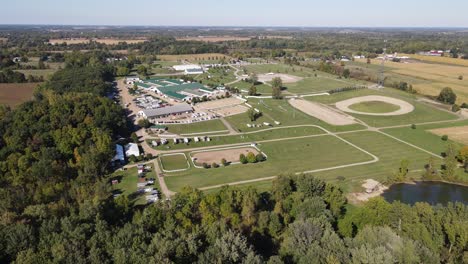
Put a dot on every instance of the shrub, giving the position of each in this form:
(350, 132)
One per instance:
(447, 96)
(251, 157)
(224, 162)
(260, 157)
(243, 159)
(464, 105)
(444, 138)
(214, 165)
(413, 126)
(132, 159)
(205, 165)
(455, 108)
(460, 77)
(149, 156)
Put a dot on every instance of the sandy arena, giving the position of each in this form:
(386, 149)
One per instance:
(405, 107)
(231, 155)
(224, 107)
(322, 112)
(459, 134)
(286, 78)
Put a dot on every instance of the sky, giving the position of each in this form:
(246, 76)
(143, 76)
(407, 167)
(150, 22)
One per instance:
(268, 13)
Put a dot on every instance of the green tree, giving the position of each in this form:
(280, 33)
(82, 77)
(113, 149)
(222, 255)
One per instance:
(346, 73)
(447, 96)
(142, 71)
(450, 163)
(252, 114)
(123, 71)
(243, 159)
(251, 158)
(145, 123)
(253, 90)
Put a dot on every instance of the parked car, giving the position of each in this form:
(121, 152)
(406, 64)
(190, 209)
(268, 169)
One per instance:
(151, 181)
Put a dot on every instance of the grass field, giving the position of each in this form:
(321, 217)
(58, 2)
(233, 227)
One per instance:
(174, 162)
(282, 111)
(13, 94)
(422, 112)
(115, 41)
(246, 138)
(214, 38)
(217, 76)
(422, 137)
(283, 156)
(388, 150)
(374, 107)
(199, 127)
(442, 60)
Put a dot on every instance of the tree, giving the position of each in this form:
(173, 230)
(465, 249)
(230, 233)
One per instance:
(430, 171)
(142, 71)
(253, 90)
(252, 114)
(260, 157)
(135, 138)
(447, 96)
(346, 73)
(144, 123)
(276, 93)
(123, 71)
(277, 82)
(251, 157)
(214, 165)
(463, 156)
(450, 163)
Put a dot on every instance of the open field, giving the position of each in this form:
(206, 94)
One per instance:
(173, 162)
(217, 76)
(374, 107)
(231, 155)
(13, 94)
(458, 134)
(400, 107)
(214, 38)
(422, 112)
(442, 60)
(422, 137)
(283, 157)
(255, 136)
(322, 112)
(194, 57)
(430, 78)
(4, 40)
(199, 127)
(286, 78)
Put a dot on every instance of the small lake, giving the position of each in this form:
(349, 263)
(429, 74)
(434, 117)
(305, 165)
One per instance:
(429, 192)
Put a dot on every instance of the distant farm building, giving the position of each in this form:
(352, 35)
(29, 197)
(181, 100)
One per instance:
(166, 111)
(189, 68)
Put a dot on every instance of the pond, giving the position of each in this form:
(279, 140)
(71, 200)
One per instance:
(430, 192)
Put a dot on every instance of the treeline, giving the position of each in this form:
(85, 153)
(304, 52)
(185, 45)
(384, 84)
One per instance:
(303, 220)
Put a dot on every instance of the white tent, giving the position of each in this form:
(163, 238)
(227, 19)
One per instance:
(132, 149)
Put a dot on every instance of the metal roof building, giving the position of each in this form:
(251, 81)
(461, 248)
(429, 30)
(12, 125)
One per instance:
(164, 111)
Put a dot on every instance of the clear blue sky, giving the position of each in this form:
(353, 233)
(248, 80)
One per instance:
(310, 13)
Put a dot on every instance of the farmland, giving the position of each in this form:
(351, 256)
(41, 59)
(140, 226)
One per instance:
(214, 38)
(13, 94)
(426, 78)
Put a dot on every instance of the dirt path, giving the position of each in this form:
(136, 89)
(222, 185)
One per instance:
(168, 193)
(405, 107)
(228, 125)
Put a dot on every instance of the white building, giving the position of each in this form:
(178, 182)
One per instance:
(189, 68)
(132, 149)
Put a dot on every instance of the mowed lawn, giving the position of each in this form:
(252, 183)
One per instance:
(390, 152)
(281, 111)
(198, 127)
(287, 156)
(374, 107)
(13, 94)
(174, 162)
(422, 112)
(422, 137)
(321, 83)
(277, 133)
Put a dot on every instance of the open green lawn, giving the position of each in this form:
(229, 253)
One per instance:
(217, 76)
(390, 152)
(421, 137)
(174, 162)
(283, 156)
(199, 127)
(374, 107)
(321, 83)
(422, 112)
(279, 68)
(128, 180)
(246, 138)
